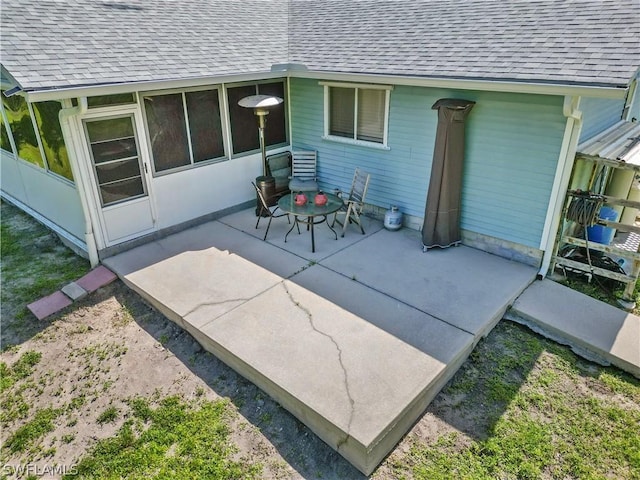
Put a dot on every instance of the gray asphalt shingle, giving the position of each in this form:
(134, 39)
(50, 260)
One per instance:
(84, 42)
(565, 41)
(56, 43)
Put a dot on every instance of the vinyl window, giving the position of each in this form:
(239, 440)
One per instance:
(357, 114)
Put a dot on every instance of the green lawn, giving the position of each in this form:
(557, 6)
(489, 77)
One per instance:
(538, 412)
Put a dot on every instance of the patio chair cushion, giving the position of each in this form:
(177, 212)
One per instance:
(300, 185)
(280, 169)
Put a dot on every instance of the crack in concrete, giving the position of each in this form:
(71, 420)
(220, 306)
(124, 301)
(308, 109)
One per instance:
(345, 376)
(211, 304)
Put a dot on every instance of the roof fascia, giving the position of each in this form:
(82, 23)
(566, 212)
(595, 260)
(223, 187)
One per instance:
(42, 95)
(469, 84)
(39, 95)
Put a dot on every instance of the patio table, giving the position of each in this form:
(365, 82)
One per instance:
(310, 214)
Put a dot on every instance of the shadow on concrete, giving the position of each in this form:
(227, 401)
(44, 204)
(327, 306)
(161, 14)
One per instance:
(309, 456)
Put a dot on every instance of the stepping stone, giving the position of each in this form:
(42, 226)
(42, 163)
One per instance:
(96, 278)
(74, 291)
(49, 305)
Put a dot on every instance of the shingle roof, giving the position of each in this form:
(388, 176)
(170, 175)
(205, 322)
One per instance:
(564, 41)
(58, 43)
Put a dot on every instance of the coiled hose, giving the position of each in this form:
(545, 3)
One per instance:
(584, 208)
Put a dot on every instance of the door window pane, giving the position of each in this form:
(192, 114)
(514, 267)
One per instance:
(111, 172)
(342, 108)
(115, 158)
(276, 130)
(205, 125)
(55, 150)
(114, 149)
(110, 129)
(244, 124)
(122, 190)
(22, 130)
(5, 144)
(167, 131)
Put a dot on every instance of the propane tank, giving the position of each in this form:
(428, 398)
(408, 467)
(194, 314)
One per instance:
(393, 218)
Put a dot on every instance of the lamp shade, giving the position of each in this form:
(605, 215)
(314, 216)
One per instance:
(259, 101)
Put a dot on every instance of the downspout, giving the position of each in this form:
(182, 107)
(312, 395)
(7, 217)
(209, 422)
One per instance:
(65, 124)
(571, 111)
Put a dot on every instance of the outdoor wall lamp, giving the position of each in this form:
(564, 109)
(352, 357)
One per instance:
(260, 105)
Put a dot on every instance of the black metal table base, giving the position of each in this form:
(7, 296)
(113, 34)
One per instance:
(310, 222)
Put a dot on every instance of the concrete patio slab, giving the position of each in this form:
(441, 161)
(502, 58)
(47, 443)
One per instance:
(592, 328)
(209, 235)
(354, 398)
(412, 326)
(326, 243)
(354, 340)
(49, 305)
(198, 286)
(465, 287)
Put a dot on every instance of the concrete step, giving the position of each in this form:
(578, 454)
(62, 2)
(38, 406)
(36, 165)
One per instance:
(593, 329)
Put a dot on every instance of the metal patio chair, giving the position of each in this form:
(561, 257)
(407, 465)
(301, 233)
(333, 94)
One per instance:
(268, 211)
(303, 172)
(355, 202)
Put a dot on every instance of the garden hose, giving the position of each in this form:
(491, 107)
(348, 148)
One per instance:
(584, 208)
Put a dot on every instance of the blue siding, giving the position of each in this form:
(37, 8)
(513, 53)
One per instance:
(598, 114)
(513, 144)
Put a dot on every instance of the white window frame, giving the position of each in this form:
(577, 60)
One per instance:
(182, 91)
(355, 140)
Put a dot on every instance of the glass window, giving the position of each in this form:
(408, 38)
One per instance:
(357, 113)
(276, 130)
(55, 151)
(178, 140)
(371, 115)
(110, 100)
(244, 123)
(167, 131)
(341, 106)
(21, 126)
(5, 144)
(205, 125)
(115, 158)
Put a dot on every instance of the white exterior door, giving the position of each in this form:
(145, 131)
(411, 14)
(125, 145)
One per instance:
(120, 180)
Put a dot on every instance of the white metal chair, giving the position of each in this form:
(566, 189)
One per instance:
(303, 171)
(355, 202)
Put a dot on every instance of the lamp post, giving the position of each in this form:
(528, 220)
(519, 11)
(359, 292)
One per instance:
(260, 105)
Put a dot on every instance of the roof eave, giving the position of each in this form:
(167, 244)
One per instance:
(72, 91)
(483, 84)
(299, 71)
